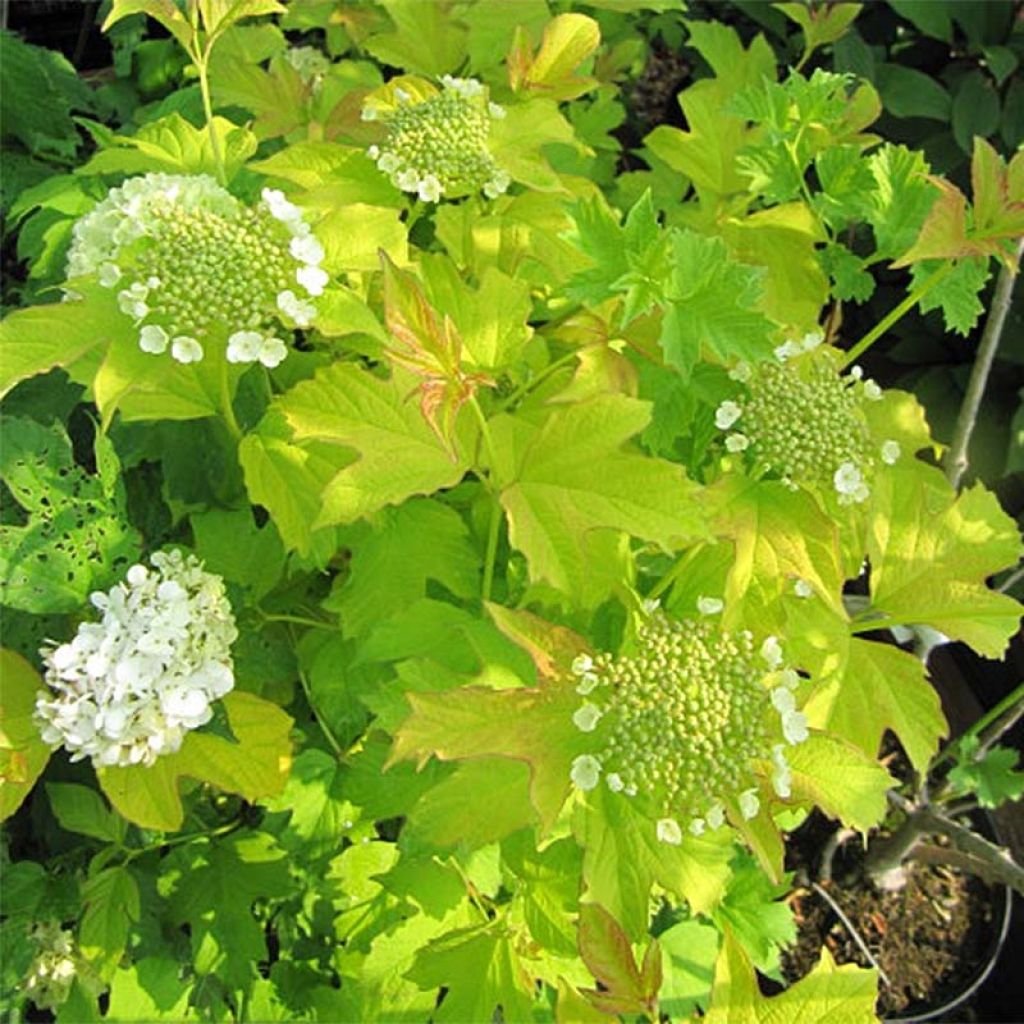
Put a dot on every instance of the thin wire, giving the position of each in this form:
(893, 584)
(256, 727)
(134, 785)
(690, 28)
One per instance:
(862, 945)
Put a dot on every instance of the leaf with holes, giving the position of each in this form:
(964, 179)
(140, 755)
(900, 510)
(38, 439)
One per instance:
(69, 536)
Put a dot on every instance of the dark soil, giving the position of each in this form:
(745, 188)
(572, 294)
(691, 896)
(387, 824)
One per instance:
(931, 938)
(652, 97)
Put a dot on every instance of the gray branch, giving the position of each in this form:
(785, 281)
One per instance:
(956, 457)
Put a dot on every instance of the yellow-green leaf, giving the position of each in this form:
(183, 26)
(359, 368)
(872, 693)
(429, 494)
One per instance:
(881, 687)
(23, 754)
(164, 11)
(386, 450)
(111, 900)
(256, 766)
(828, 995)
(840, 779)
(623, 858)
(576, 474)
(38, 338)
(779, 536)
(567, 42)
(532, 725)
(931, 552)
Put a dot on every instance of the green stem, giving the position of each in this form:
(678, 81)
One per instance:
(339, 751)
(485, 433)
(674, 573)
(201, 63)
(897, 314)
(192, 837)
(526, 388)
(494, 527)
(493, 531)
(805, 192)
(298, 620)
(869, 625)
(227, 409)
(1008, 705)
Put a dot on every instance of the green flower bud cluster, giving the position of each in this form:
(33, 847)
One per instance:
(192, 265)
(213, 270)
(802, 421)
(438, 146)
(684, 724)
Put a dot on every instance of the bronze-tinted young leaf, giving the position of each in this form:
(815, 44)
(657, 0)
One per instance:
(568, 41)
(606, 950)
(429, 346)
(533, 725)
(551, 647)
(996, 220)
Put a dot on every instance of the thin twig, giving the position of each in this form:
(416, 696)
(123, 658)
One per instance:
(829, 849)
(930, 853)
(861, 944)
(956, 457)
(1015, 577)
(997, 860)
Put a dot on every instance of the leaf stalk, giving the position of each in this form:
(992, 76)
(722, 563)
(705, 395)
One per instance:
(897, 314)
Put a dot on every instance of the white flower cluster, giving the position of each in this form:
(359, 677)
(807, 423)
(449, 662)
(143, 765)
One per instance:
(690, 723)
(126, 689)
(802, 421)
(55, 967)
(437, 146)
(194, 265)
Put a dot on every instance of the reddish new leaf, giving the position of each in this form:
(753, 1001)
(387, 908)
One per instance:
(606, 950)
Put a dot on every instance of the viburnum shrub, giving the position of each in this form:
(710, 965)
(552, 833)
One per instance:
(445, 555)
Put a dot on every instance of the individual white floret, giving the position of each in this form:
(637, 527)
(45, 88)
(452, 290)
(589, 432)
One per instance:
(186, 350)
(153, 339)
(771, 651)
(668, 831)
(749, 804)
(244, 346)
(313, 279)
(585, 772)
(585, 718)
(727, 414)
(890, 452)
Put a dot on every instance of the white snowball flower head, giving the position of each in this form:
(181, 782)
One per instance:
(126, 689)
